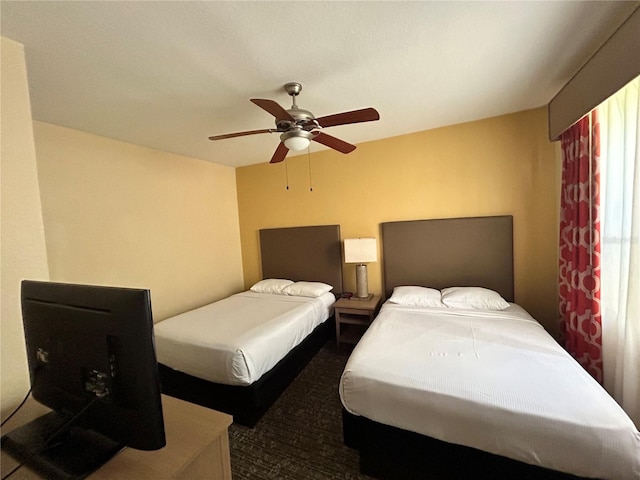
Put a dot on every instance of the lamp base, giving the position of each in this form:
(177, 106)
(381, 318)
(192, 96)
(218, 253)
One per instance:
(362, 299)
(362, 287)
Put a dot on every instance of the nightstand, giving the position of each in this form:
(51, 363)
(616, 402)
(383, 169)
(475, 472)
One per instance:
(353, 317)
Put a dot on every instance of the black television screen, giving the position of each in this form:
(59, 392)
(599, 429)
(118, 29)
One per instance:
(91, 357)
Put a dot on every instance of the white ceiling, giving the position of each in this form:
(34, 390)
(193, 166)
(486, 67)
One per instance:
(168, 74)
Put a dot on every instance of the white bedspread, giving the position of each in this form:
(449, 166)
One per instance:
(495, 381)
(236, 340)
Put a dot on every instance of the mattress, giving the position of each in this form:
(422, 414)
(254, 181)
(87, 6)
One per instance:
(495, 381)
(236, 340)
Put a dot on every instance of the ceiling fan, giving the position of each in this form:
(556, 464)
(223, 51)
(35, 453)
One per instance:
(299, 126)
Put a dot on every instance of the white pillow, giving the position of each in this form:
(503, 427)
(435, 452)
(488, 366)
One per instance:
(271, 285)
(416, 296)
(307, 289)
(473, 298)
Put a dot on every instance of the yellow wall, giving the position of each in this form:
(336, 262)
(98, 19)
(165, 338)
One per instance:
(22, 234)
(501, 165)
(120, 214)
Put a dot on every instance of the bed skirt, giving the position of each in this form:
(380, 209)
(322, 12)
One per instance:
(391, 453)
(248, 403)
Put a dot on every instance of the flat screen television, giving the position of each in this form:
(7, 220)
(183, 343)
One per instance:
(91, 358)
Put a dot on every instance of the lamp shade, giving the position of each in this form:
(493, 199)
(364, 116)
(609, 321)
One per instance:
(360, 250)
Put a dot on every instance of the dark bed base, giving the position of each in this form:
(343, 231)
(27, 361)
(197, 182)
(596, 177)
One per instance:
(391, 453)
(248, 403)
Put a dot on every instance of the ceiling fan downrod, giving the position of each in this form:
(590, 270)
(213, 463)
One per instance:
(293, 89)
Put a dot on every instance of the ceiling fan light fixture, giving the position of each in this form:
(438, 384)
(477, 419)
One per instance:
(296, 139)
(296, 143)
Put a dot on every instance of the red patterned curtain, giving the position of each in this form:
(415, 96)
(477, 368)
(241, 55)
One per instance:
(579, 276)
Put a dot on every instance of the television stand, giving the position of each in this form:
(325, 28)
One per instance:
(197, 447)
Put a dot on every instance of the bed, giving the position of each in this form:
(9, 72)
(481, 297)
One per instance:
(242, 366)
(434, 391)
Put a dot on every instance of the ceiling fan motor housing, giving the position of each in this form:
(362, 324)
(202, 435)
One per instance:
(296, 131)
(303, 118)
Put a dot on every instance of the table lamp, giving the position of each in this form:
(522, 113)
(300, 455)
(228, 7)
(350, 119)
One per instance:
(361, 251)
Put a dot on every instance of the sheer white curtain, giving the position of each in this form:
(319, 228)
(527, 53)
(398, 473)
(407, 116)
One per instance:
(620, 255)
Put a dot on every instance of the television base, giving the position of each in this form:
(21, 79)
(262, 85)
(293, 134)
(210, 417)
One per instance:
(72, 454)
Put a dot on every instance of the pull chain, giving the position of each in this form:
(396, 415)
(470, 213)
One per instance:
(286, 172)
(309, 161)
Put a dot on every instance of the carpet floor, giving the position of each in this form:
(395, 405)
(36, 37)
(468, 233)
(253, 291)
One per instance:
(300, 437)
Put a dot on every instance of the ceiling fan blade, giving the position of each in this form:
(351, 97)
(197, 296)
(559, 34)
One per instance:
(280, 153)
(273, 108)
(241, 134)
(333, 142)
(355, 116)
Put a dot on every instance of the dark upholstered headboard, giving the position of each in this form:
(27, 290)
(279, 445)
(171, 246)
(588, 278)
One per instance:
(465, 252)
(310, 253)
